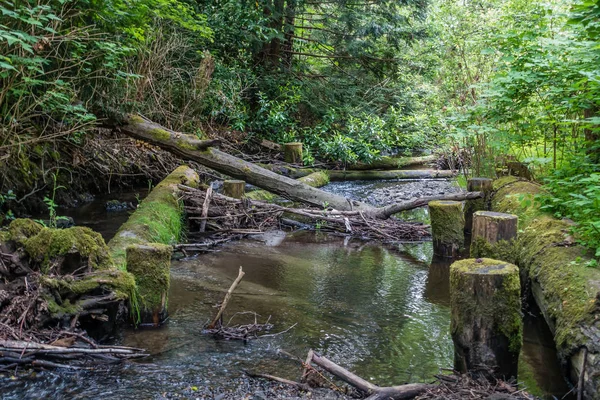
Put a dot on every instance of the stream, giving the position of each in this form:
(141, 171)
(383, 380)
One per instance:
(382, 312)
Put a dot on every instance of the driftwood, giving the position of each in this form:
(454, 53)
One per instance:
(73, 350)
(391, 174)
(374, 392)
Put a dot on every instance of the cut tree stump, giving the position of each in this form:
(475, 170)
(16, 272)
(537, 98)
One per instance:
(447, 227)
(483, 185)
(292, 153)
(234, 188)
(493, 235)
(150, 264)
(486, 323)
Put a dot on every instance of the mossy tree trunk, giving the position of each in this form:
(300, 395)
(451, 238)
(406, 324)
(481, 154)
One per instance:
(486, 324)
(566, 290)
(234, 188)
(292, 153)
(393, 163)
(483, 185)
(447, 227)
(150, 264)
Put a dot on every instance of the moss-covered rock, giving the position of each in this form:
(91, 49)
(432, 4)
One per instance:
(76, 248)
(22, 229)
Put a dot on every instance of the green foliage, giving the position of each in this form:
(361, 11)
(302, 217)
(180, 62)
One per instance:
(574, 192)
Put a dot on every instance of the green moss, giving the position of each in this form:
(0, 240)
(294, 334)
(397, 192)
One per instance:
(316, 179)
(546, 251)
(22, 229)
(66, 308)
(504, 309)
(447, 221)
(160, 134)
(49, 244)
(150, 264)
(527, 378)
(261, 195)
(505, 250)
(135, 119)
(159, 218)
(186, 145)
(4, 236)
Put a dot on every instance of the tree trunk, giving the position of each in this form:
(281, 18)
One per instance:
(447, 227)
(184, 146)
(397, 174)
(392, 163)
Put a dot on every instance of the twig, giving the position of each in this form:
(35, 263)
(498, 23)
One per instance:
(226, 299)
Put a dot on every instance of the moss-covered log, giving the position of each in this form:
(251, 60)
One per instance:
(483, 185)
(234, 188)
(395, 174)
(158, 219)
(292, 153)
(486, 325)
(393, 163)
(184, 146)
(316, 179)
(150, 264)
(447, 227)
(567, 291)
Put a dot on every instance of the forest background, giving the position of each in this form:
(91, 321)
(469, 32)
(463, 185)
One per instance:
(482, 81)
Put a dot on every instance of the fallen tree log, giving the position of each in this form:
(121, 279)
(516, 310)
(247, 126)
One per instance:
(177, 143)
(566, 290)
(395, 174)
(186, 147)
(392, 163)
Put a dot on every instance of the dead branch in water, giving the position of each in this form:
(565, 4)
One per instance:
(216, 320)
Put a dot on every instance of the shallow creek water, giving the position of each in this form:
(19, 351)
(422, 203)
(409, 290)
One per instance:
(381, 312)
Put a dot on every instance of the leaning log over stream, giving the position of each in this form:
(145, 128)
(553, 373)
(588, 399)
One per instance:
(188, 148)
(567, 291)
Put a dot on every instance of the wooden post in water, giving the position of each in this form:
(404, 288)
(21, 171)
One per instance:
(486, 323)
(234, 188)
(493, 235)
(292, 153)
(477, 185)
(447, 227)
(150, 264)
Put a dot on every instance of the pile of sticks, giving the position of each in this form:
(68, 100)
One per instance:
(243, 332)
(70, 350)
(220, 214)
